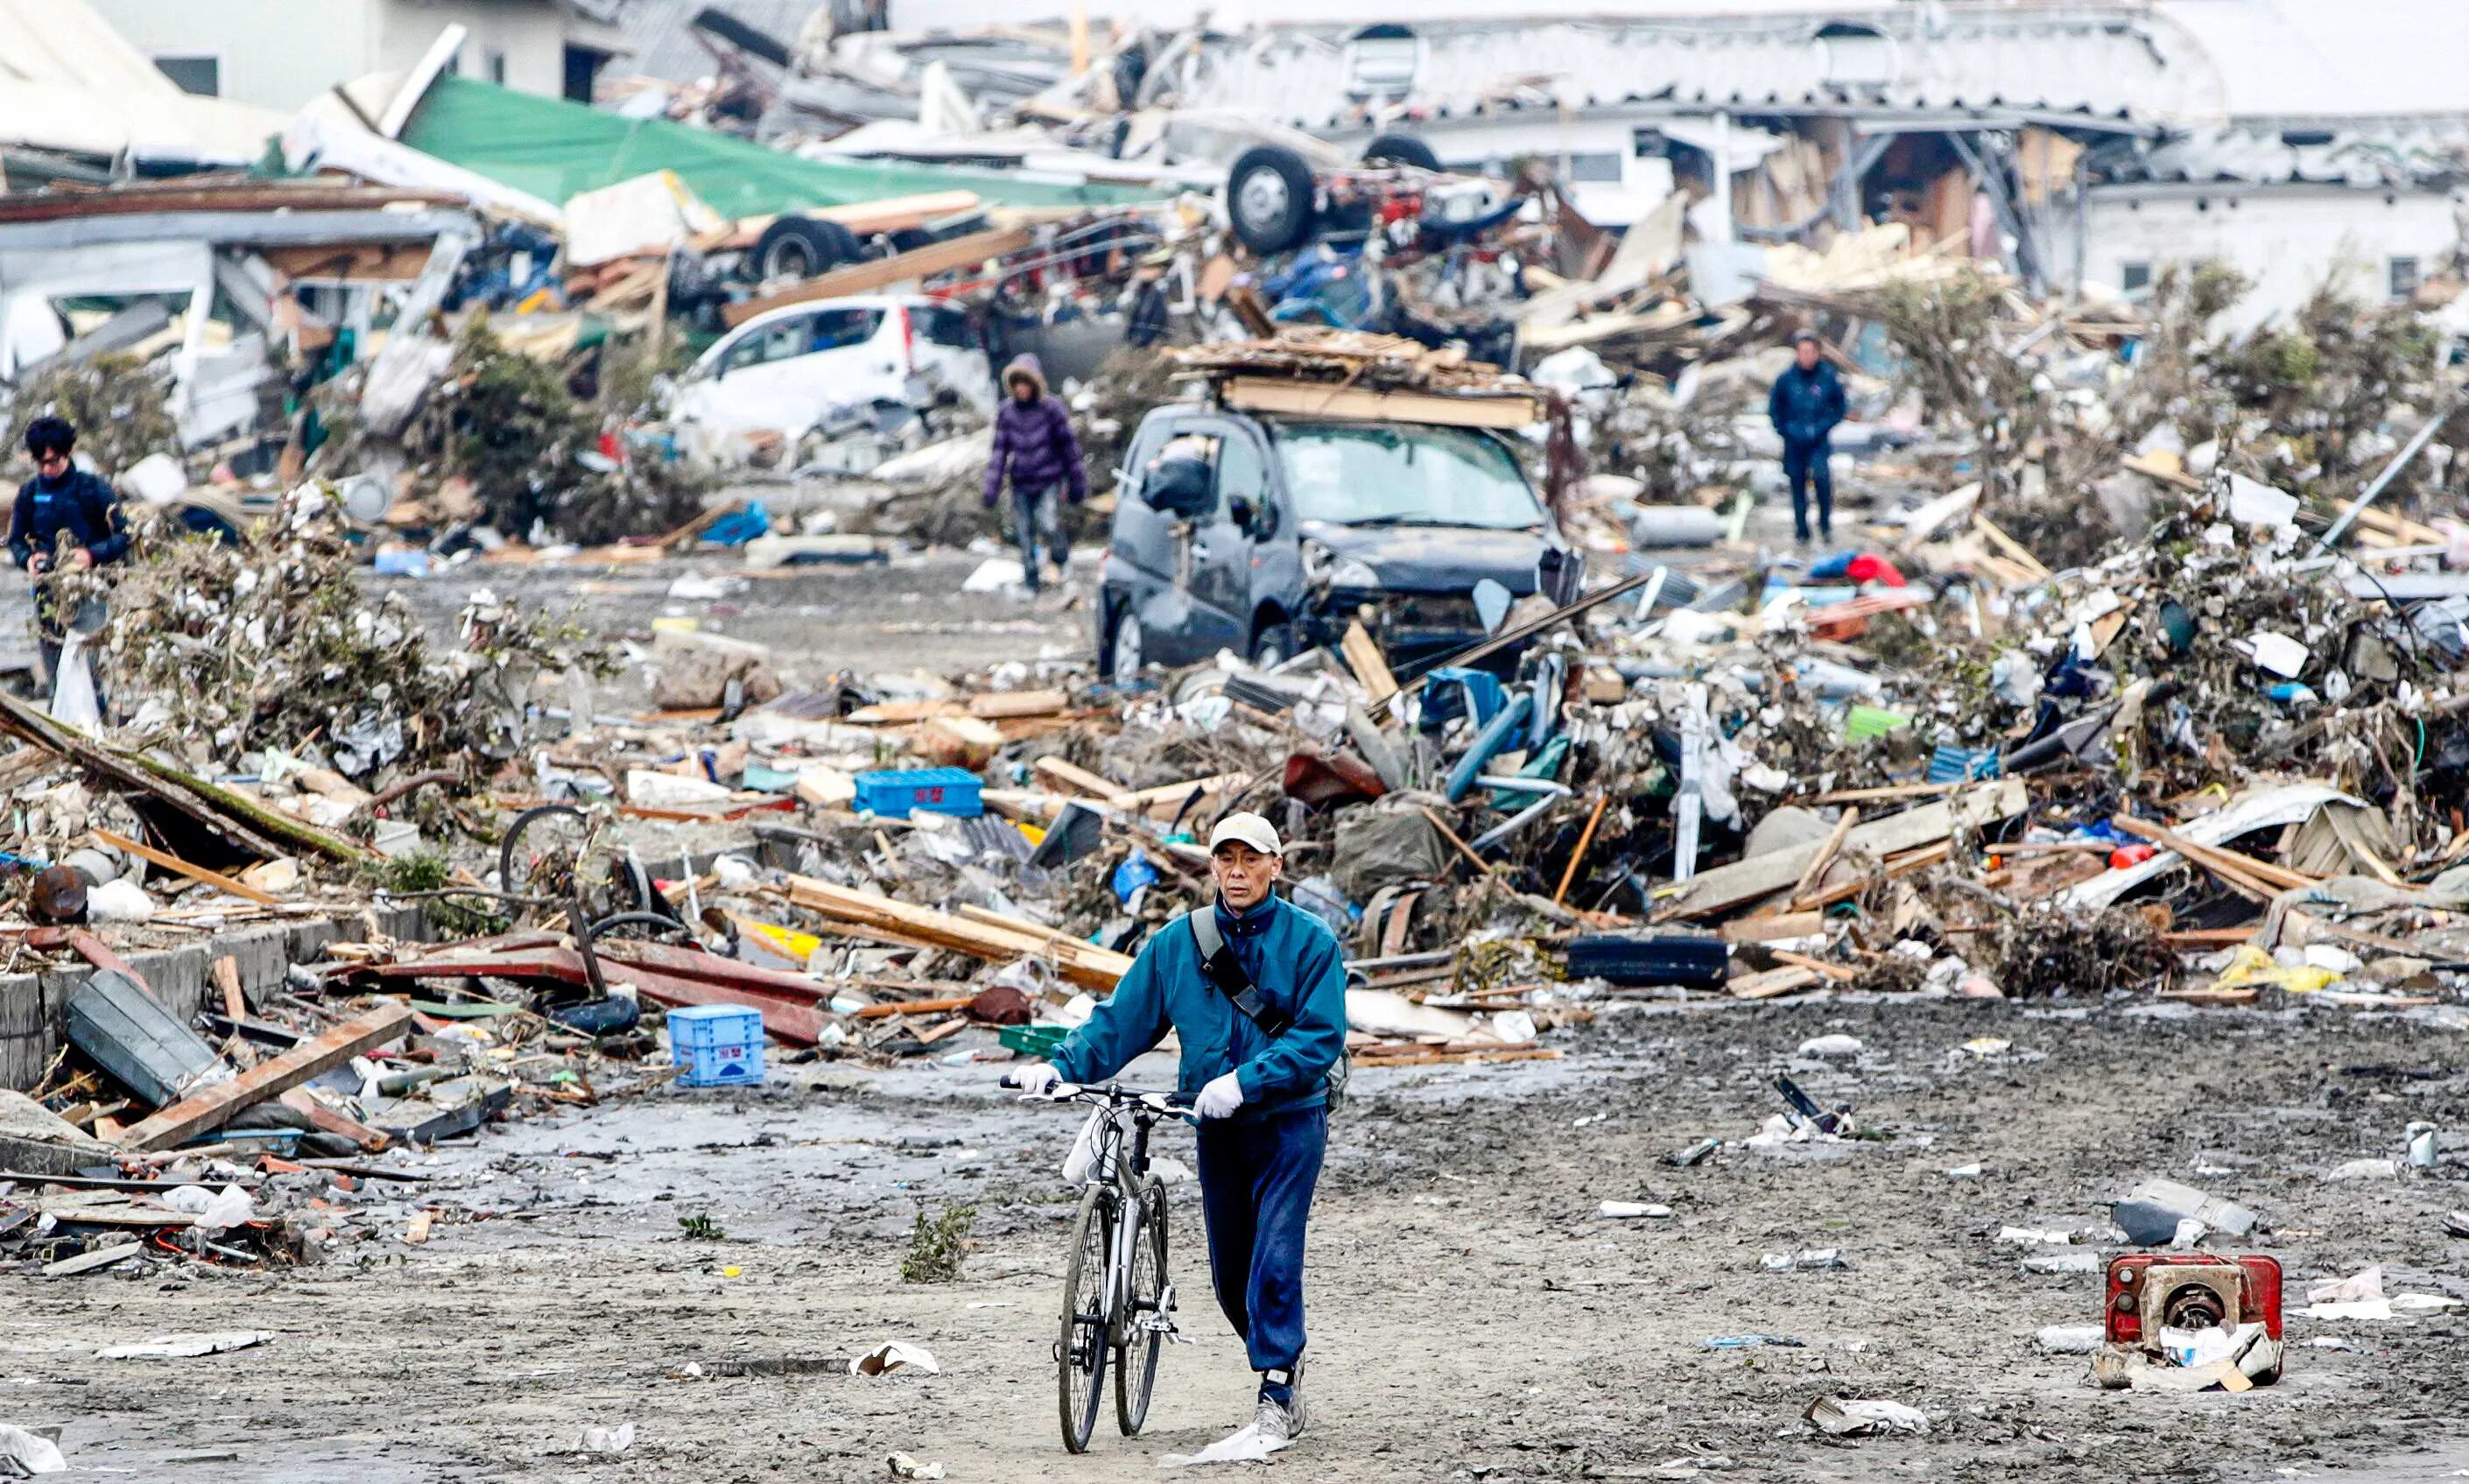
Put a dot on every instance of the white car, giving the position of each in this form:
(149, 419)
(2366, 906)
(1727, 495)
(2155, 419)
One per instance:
(801, 368)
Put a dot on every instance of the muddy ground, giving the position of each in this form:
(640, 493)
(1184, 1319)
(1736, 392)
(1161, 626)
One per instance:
(1472, 1317)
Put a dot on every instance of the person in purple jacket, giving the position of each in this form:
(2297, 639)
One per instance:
(1036, 449)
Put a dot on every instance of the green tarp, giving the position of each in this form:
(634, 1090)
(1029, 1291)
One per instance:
(557, 149)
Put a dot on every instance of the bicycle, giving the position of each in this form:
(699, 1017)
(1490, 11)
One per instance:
(1118, 1302)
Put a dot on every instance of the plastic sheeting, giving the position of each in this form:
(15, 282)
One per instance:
(556, 150)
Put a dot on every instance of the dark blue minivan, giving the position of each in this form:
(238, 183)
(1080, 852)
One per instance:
(1267, 534)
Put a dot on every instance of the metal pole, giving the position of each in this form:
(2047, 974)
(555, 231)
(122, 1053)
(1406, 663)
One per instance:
(2391, 472)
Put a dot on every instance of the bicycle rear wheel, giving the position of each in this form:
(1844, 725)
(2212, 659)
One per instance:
(1144, 1320)
(1080, 1351)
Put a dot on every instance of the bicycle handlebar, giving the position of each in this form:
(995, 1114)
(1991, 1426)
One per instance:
(1112, 1094)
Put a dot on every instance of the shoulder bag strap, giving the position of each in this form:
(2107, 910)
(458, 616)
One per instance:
(1224, 974)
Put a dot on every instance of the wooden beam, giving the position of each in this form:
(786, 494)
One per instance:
(225, 973)
(1357, 404)
(2217, 858)
(1080, 780)
(925, 262)
(181, 868)
(219, 1104)
(1826, 853)
(252, 826)
(1083, 963)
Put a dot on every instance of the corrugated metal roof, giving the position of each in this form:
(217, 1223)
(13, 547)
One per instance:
(2097, 61)
(2378, 154)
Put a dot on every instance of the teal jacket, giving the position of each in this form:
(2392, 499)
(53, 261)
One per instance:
(1295, 962)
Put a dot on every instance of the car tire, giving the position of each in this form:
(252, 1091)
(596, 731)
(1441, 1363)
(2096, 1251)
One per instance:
(1400, 149)
(1273, 644)
(1269, 197)
(802, 247)
(1126, 648)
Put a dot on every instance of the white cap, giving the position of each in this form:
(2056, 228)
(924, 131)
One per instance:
(1250, 830)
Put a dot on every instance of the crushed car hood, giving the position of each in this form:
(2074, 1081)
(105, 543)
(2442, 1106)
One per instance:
(1438, 558)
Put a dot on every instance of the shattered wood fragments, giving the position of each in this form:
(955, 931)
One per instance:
(221, 1104)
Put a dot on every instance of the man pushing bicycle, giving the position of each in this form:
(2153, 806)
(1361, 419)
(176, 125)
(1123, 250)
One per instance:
(1255, 989)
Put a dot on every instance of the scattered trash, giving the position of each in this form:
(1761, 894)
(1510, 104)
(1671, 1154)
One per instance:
(1625, 1210)
(893, 1357)
(1840, 1418)
(186, 1347)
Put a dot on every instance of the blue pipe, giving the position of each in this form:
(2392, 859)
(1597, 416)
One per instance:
(1489, 743)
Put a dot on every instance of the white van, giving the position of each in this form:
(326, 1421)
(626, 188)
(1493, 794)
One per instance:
(788, 370)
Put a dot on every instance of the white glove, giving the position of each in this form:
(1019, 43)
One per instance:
(1036, 1079)
(1220, 1097)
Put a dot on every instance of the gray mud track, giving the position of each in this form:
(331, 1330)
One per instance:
(1472, 1317)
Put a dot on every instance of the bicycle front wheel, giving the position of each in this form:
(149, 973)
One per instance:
(1080, 1352)
(1145, 1318)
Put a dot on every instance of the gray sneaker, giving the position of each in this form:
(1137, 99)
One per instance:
(1274, 1424)
(1288, 1420)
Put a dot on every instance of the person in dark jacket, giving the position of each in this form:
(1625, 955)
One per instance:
(1036, 449)
(61, 500)
(1262, 1097)
(1805, 405)
(1148, 323)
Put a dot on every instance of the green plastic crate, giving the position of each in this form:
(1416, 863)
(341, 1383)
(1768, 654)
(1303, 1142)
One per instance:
(1033, 1040)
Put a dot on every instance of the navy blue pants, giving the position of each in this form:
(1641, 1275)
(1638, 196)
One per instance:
(1805, 464)
(1255, 1188)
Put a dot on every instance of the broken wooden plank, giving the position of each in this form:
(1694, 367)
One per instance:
(1080, 780)
(181, 868)
(1773, 927)
(1827, 850)
(1834, 971)
(1730, 885)
(1084, 963)
(90, 1260)
(2221, 860)
(1357, 404)
(1009, 705)
(225, 973)
(1362, 653)
(925, 262)
(1772, 983)
(334, 1121)
(219, 1104)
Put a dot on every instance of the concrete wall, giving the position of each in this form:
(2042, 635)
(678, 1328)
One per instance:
(32, 1005)
(2288, 238)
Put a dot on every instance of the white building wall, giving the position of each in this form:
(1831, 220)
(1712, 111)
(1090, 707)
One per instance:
(2286, 238)
(1594, 146)
(280, 54)
(277, 53)
(530, 34)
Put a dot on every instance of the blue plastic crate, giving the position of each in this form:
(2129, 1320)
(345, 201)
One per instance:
(894, 792)
(718, 1045)
(715, 1025)
(720, 1066)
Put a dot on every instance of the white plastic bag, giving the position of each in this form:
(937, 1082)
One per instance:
(1084, 1149)
(74, 703)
